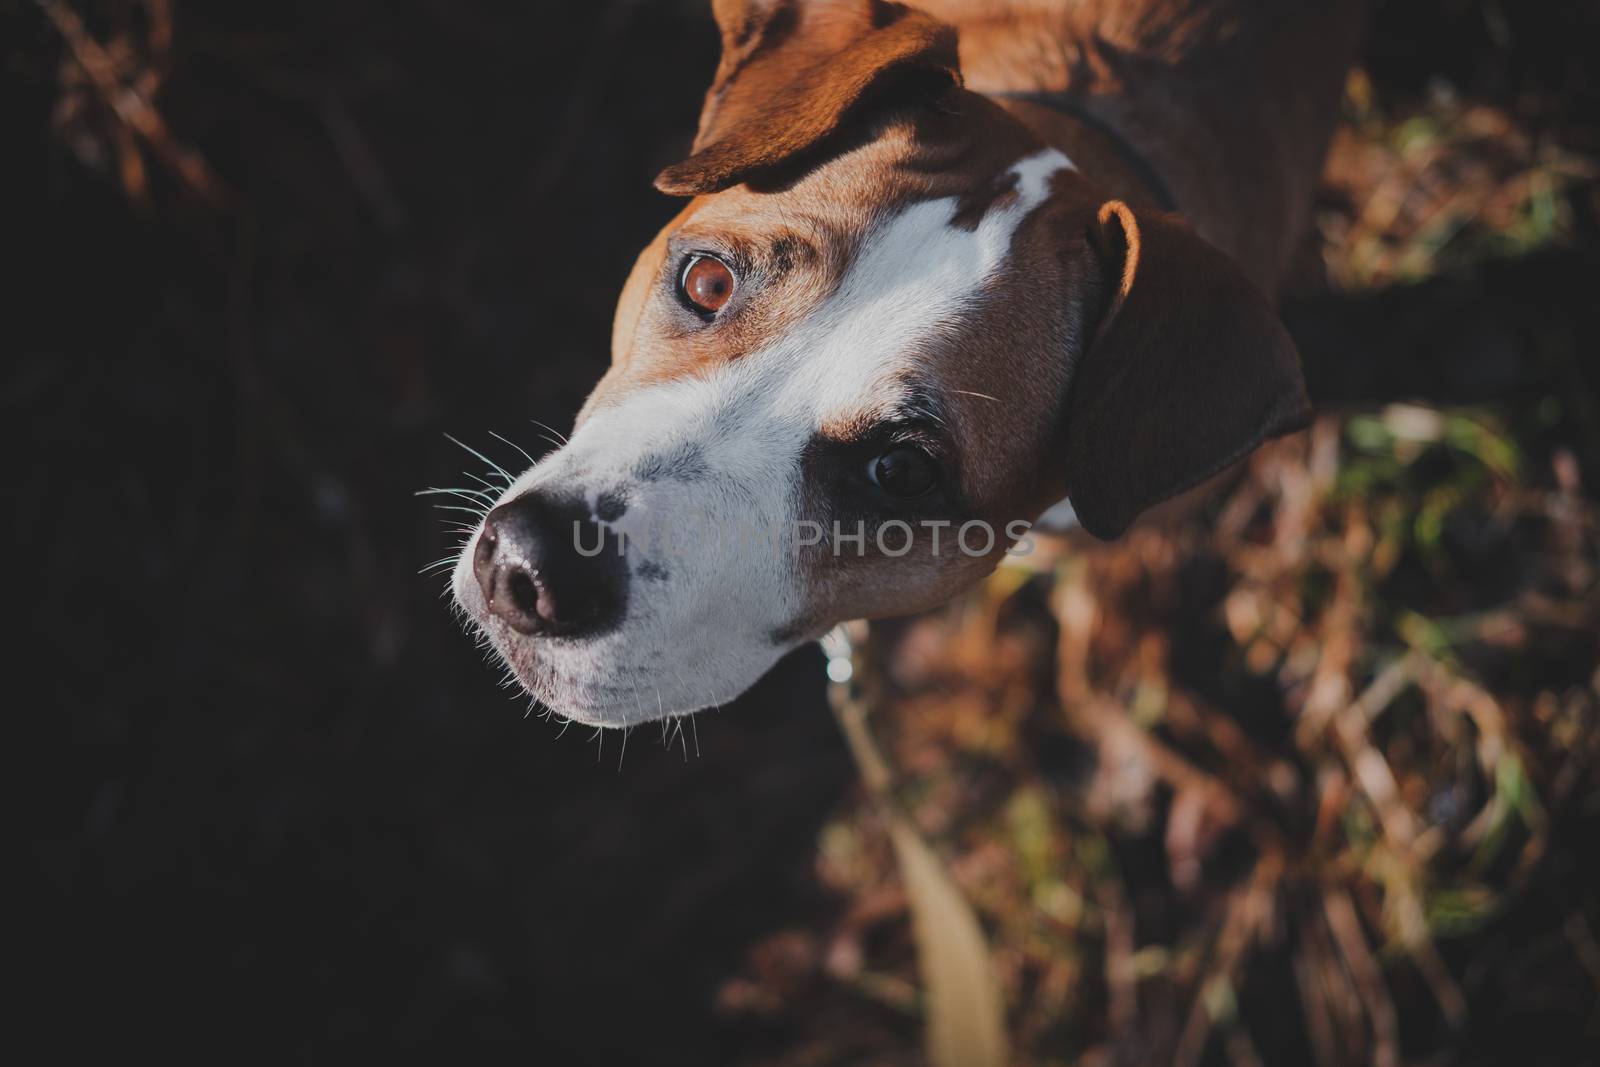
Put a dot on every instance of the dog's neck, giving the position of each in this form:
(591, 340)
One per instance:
(1230, 103)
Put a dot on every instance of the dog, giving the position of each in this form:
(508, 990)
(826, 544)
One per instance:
(943, 267)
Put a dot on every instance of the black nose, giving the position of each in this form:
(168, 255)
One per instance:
(546, 567)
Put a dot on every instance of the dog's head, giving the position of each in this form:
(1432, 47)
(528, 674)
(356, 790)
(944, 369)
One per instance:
(889, 329)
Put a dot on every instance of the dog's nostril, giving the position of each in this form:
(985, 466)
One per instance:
(524, 592)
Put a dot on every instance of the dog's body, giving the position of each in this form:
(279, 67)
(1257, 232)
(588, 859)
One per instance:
(898, 308)
(1231, 101)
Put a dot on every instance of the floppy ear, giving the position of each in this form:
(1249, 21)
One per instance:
(792, 71)
(1188, 370)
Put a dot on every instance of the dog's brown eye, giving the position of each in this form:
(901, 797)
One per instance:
(904, 472)
(706, 283)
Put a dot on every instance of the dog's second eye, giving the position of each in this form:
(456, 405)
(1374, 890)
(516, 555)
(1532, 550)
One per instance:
(706, 283)
(904, 472)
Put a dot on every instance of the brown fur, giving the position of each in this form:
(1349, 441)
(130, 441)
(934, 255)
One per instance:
(1232, 101)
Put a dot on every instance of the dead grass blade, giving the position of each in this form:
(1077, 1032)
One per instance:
(964, 1016)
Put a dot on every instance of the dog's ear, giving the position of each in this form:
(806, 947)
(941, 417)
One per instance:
(793, 71)
(1187, 370)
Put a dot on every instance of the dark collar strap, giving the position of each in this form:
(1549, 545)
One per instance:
(1071, 105)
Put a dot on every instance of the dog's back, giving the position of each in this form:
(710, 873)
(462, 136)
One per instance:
(1231, 101)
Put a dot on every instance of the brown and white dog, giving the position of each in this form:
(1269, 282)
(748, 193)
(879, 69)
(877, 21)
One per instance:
(923, 290)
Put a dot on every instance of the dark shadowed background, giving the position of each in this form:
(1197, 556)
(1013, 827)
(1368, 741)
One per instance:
(281, 808)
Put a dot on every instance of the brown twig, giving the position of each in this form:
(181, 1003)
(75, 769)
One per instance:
(1351, 940)
(1247, 912)
(133, 107)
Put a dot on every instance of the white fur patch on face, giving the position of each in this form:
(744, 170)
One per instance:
(913, 278)
(703, 459)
